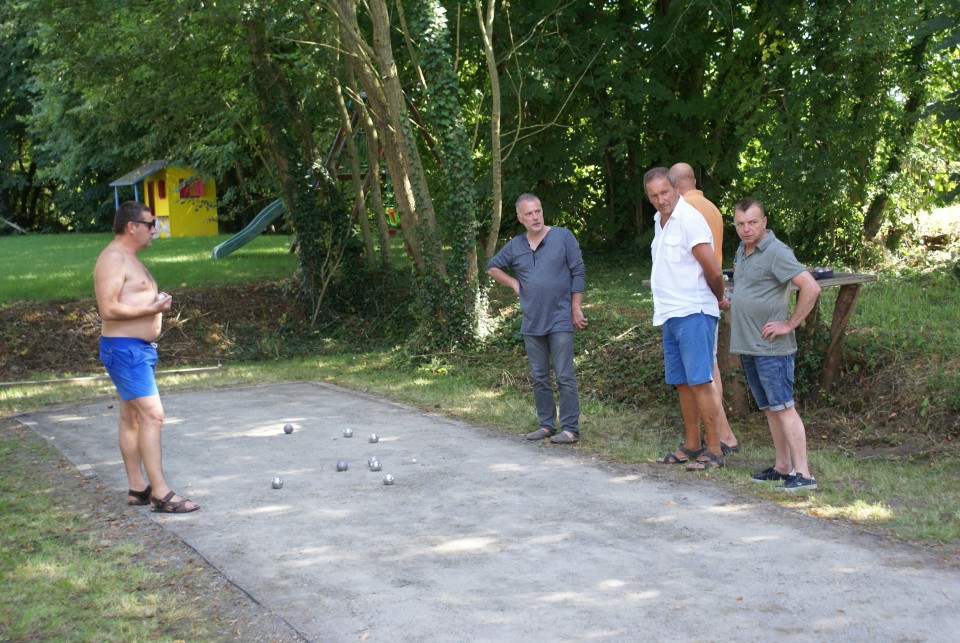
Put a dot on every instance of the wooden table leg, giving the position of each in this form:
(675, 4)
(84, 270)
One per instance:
(813, 317)
(846, 300)
(735, 393)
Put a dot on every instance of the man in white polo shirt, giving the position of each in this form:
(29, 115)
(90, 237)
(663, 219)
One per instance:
(687, 285)
(686, 183)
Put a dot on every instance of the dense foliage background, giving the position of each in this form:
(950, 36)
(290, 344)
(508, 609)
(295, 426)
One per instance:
(838, 114)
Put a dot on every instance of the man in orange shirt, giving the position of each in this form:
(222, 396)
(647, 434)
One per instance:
(687, 186)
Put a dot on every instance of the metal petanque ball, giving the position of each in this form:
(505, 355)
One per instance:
(277, 483)
(388, 479)
(373, 459)
(375, 465)
(348, 432)
(341, 465)
(374, 438)
(288, 428)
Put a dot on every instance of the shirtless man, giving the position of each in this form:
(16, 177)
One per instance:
(132, 310)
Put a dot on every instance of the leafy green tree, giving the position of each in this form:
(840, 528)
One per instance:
(22, 198)
(817, 108)
(444, 112)
(843, 103)
(119, 84)
(839, 116)
(221, 87)
(447, 283)
(937, 138)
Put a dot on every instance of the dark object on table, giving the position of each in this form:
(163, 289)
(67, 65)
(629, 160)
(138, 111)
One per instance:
(821, 273)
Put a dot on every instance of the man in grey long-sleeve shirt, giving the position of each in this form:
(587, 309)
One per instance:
(549, 278)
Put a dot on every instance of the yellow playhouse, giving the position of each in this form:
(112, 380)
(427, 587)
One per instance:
(185, 205)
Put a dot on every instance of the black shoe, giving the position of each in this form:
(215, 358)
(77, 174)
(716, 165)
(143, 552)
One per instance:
(798, 483)
(769, 475)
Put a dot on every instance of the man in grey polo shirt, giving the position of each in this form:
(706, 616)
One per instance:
(761, 332)
(549, 277)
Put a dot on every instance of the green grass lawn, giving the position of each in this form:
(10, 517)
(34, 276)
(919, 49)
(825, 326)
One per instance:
(60, 267)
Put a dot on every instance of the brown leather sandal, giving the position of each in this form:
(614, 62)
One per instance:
(706, 460)
(170, 507)
(673, 458)
(142, 497)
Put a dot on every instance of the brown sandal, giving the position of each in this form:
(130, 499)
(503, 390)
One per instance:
(673, 458)
(170, 507)
(706, 460)
(142, 497)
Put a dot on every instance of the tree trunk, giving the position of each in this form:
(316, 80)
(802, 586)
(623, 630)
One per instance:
(496, 162)
(360, 207)
(418, 198)
(447, 284)
(380, 82)
(373, 166)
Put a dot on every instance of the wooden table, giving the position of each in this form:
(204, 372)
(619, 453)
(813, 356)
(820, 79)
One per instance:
(735, 389)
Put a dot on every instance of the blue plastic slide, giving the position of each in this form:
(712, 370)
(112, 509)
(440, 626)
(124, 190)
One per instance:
(260, 223)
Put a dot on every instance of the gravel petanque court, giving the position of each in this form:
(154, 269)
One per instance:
(486, 537)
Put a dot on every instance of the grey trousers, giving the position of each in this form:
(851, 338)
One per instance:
(555, 348)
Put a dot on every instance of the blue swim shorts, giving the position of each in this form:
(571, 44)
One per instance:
(770, 379)
(688, 349)
(131, 363)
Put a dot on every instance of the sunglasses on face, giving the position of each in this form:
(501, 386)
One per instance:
(150, 224)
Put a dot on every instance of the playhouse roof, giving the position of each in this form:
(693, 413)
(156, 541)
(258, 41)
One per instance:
(134, 177)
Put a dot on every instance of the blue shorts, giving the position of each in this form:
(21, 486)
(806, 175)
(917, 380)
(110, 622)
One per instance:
(131, 363)
(770, 379)
(688, 349)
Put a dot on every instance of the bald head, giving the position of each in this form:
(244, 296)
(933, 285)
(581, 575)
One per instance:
(683, 177)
